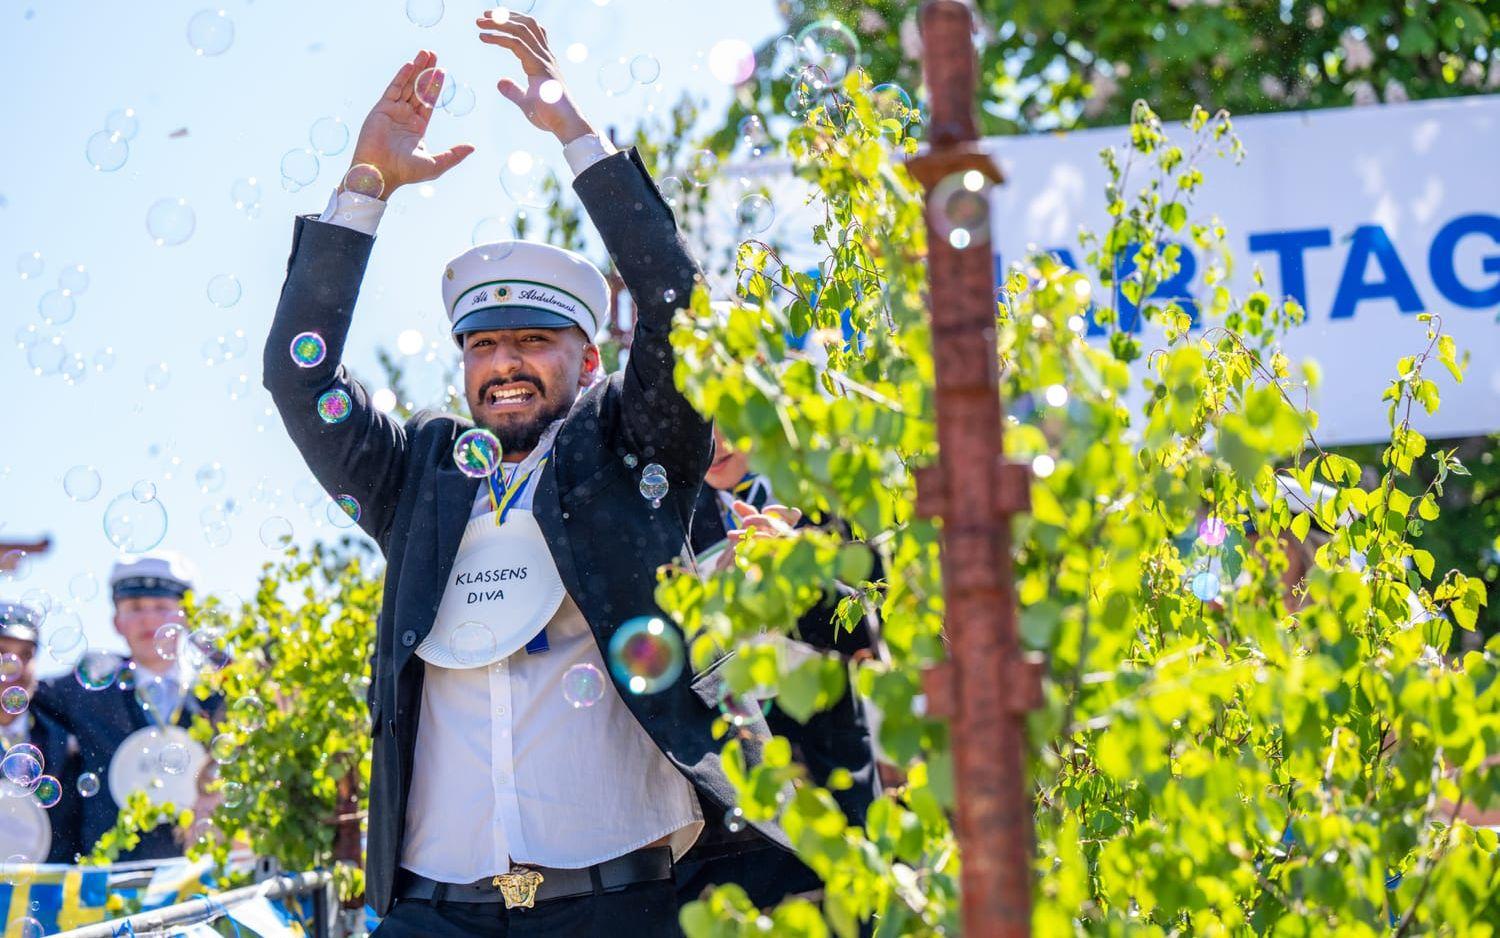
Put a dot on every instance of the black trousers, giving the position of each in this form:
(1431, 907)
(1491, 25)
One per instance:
(645, 909)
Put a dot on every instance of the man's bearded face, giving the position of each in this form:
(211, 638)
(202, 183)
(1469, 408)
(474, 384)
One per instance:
(518, 381)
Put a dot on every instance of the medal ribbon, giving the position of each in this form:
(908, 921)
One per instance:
(501, 502)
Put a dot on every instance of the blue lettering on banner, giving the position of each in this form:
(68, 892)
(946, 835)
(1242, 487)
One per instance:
(1289, 247)
(1440, 260)
(1369, 247)
(1370, 242)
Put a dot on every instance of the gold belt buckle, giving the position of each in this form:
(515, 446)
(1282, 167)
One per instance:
(518, 887)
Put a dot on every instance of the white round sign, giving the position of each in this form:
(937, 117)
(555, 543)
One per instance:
(162, 761)
(25, 829)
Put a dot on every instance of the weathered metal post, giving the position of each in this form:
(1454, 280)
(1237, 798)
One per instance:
(987, 685)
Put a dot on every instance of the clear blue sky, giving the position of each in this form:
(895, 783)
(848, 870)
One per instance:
(205, 122)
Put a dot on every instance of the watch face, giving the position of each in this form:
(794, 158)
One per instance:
(163, 762)
(25, 829)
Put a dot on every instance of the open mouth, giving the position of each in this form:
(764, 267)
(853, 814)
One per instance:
(509, 397)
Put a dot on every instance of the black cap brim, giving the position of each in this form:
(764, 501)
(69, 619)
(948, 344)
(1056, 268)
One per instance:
(510, 317)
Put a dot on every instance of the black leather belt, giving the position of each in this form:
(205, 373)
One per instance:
(524, 886)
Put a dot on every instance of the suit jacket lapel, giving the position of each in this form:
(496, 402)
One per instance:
(546, 506)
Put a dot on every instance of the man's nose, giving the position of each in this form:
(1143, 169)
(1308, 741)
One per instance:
(503, 360)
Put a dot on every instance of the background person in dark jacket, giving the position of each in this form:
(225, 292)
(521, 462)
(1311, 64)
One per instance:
(27, 830)
(525, 779)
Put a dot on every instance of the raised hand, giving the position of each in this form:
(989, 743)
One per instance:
(391, 137)
(545, 100)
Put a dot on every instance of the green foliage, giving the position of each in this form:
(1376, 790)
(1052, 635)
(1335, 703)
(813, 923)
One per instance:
(1273, 758)
(136, 815)
(295, 737)
(1045, 64)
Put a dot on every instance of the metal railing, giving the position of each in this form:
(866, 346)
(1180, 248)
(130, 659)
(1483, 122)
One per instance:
(318, 884)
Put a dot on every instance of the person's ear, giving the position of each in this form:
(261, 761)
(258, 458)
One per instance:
(591, 362)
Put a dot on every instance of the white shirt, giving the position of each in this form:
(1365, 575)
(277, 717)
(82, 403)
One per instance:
(506, 770)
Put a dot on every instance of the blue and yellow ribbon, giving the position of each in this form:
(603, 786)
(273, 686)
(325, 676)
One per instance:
(502, 500)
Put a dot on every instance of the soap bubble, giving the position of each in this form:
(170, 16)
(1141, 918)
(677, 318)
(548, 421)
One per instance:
(645, 68)
(424, 13)
(343, 511)
(477, 453)
(740, 709)
(891, 103)
(328, 136)
(73, 278)
(582, 685)
(135, 526)
(174, 759)
(46, 358)
(22, 766)
(168, 640)
(959, 209)
(309, 349)
(64, 635)
(10, 666)
(755, 214)
(1205, 585)
(654, 485)
(106, 151)
(224, 290)
(30, 266)
(473, 644)
(645, 655)
(734, 820)
(460, 100)
(365, 179)
(731, 61)
(551, 91)
(752, 131)
(1212, 531)
(301, 166)
(14, 699)
(432, 87)
(170, 222)
(158, 376)
(334, 406)
(123, 122)
(276, 532)
(210, 32)
(143, 490)
(88, 785)
(702, 167)
(96, 670)
(521, 178)
(56, 307)
(81, 483)
(248, 712)
(245, 193)
(83, 586)
(209, 477)
(232, 794)
(409, 342)
(27, 926)
(223, 748)
(614, 76)
(48, 792)
(829, 45)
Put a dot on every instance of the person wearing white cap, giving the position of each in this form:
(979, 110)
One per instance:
(519, 784)
(30, 833)
(131, 709)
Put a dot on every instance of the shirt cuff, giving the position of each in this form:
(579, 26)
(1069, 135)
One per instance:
(352, 210)
(586, 151)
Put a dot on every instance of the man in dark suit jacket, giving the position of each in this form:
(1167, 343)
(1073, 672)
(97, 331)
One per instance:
(18, 646)
(605, 469)
(127, 704)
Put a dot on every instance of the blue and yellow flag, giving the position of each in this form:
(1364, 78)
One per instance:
(58, 898)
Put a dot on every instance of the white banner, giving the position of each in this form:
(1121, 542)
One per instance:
(1368, 216)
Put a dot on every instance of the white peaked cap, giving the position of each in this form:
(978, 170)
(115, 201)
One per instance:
(524, 285)
(156, 573)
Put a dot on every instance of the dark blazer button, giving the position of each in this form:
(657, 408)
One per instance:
(408, 638)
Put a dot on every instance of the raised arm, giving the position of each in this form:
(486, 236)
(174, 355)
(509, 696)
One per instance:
(640, 233)
(352, 448)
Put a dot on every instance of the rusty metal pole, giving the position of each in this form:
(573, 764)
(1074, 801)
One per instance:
(987, 685)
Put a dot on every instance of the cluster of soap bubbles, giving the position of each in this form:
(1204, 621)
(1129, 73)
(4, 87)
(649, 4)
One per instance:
(23, 773)
(654, 484)
(108, 149)
(43, 342)
(645, 654)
